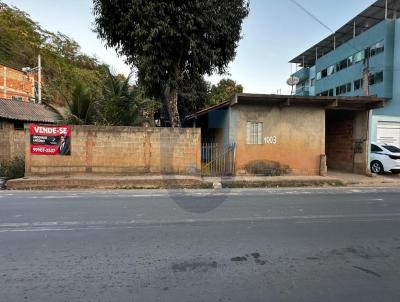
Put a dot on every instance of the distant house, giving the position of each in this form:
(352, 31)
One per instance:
(277, 134)
(13, 117)
(14, 114)
(16, 85)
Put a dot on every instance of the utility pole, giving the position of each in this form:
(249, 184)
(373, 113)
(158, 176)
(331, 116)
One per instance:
(39, 79)
(366, 75)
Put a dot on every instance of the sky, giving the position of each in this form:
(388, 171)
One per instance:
(274, 33)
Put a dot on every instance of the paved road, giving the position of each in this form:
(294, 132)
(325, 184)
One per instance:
(262, 245)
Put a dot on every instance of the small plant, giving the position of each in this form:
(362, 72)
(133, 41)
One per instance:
(266, 168)
(14, 168)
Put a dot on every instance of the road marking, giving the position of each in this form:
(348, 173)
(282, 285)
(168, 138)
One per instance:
(5, 227)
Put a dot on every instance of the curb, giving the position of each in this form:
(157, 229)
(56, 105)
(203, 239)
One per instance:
(162, 183)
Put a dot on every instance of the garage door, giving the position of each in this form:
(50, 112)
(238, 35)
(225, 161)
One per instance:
(388, 133)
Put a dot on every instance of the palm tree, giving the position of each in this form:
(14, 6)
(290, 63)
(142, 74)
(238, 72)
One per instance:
(120, 104)
(80, 106)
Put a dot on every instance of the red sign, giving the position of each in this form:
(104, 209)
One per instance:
(50, 140)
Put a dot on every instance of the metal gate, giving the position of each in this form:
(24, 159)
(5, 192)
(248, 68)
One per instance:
(217, 160)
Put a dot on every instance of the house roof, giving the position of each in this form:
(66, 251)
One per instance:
(371, 16)
(27, 112)
(335, 103)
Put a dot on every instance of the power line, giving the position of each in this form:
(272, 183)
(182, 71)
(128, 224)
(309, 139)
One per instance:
(311, 15)
(305, 10)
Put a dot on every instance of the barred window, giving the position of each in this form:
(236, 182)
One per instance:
(254, 133)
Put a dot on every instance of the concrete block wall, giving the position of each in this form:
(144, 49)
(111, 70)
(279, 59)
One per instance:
(12, 142)
(123, 151)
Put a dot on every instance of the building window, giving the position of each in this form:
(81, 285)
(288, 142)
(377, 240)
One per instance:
(343, 89)
(331, 70)
(16, 98)
(341, 65)
(318, 76)
(326, 93)
(18, 125)
(377, 49)
(254, 133)
(376, 78)
(349, 61)
(358, 84)
(359, 56)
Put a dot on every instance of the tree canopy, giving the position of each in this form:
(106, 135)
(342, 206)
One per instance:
(64, 65)
(172, 42)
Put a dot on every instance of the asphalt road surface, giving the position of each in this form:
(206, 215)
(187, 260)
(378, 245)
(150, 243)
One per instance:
(262, 245)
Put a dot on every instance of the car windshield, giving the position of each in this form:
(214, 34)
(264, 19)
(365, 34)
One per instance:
(393, 149)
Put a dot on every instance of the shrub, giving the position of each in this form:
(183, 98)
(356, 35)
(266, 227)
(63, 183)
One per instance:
(266, 168)
(14, 168)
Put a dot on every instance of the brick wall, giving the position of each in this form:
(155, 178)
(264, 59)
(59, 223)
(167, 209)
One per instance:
(11, 141)
(340, 140)
(123, 150)
(15, 83)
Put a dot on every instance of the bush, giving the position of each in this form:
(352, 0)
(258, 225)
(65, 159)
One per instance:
(14, 168)
(266, 168)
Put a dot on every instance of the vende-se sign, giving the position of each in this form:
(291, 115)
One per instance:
(50, 140)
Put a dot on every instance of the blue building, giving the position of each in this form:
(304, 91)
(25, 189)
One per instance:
(335, 66)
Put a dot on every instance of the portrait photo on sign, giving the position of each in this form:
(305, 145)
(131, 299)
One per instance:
(64, 147)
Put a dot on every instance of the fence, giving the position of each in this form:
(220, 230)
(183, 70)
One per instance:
(217, 160)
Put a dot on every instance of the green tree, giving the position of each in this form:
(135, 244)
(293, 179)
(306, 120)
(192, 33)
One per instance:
(193, 96)
(64, 66)
(223, 91)
(80, 109)
(120, 104)
(172, 41)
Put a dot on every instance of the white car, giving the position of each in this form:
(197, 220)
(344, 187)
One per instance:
(385, 158)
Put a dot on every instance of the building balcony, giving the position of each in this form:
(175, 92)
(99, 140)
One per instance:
(303, 74)
(302, 91)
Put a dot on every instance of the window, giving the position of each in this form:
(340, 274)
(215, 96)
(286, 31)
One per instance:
(326, 93)
(18, 125)
(324, 73)
(318, 76)
(348, 87)
(254, 133)
(312, 82)
(16, 98)
(376, 78)
(393, 149)
(377, 48)
(341, 65)
(349, 61)
(331, 70)
(375, 148)
(359, 56)
(367, 53)
(343, 89)
(358, 84)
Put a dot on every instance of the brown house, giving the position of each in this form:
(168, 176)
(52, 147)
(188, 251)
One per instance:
(16, 85)
(277, 135)
(13, 116)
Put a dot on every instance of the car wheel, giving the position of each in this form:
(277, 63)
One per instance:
(377, 167)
